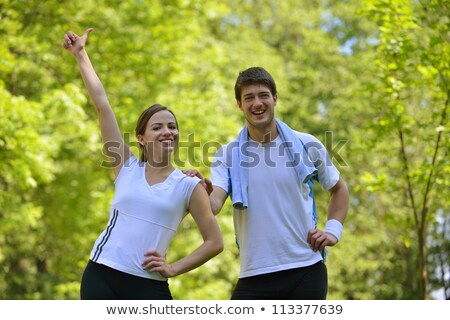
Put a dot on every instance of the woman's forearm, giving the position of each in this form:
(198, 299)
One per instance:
(202, 254)
(92, 82)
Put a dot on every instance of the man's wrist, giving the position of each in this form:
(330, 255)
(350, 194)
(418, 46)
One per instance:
(334, 227)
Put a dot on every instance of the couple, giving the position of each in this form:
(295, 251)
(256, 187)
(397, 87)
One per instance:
(267, 172)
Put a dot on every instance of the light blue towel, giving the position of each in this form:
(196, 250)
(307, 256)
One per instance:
(238, 171)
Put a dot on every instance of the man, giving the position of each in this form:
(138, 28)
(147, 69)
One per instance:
(268, 172)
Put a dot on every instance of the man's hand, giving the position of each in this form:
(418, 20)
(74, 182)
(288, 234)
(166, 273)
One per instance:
(319, 239)
(206, 183)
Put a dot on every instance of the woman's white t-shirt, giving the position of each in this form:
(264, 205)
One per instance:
(142, 217)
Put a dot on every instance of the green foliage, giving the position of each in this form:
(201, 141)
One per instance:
(412, 99)
(368, 78)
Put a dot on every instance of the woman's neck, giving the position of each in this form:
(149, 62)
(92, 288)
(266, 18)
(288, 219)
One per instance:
(161, 165)
(157, 173)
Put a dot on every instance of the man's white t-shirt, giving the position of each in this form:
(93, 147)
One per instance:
(272, 232)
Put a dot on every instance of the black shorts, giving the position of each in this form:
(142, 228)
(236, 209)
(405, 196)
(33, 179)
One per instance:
(306, 283)
(100, 282)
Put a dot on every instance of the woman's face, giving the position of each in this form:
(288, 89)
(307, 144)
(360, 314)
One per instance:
(161, 134)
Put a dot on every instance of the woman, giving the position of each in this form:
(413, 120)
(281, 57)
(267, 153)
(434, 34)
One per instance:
(151, 198)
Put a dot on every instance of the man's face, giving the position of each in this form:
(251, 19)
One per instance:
(258, 104)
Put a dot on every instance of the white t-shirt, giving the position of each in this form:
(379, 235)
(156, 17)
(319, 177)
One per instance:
(272, 232)
(142, 218)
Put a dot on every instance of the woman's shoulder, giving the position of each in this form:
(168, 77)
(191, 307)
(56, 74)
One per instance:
(133, 163)
(129, 166)
(183, 183)
(180, 176)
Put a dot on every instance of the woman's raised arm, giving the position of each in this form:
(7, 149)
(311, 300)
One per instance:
(115, 146)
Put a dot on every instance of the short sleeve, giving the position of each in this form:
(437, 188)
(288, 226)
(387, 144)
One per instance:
(327, 175)
(189, 185)
(219, 170)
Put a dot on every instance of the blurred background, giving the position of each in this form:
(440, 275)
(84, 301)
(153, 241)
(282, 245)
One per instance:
(370, 79)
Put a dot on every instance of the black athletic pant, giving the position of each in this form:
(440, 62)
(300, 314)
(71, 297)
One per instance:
(100, 282)
(306, 283)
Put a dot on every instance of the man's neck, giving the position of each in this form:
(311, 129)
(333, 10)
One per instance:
(263, 136)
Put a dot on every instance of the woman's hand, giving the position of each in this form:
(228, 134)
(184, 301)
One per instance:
(155, 262)
(74, 43)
